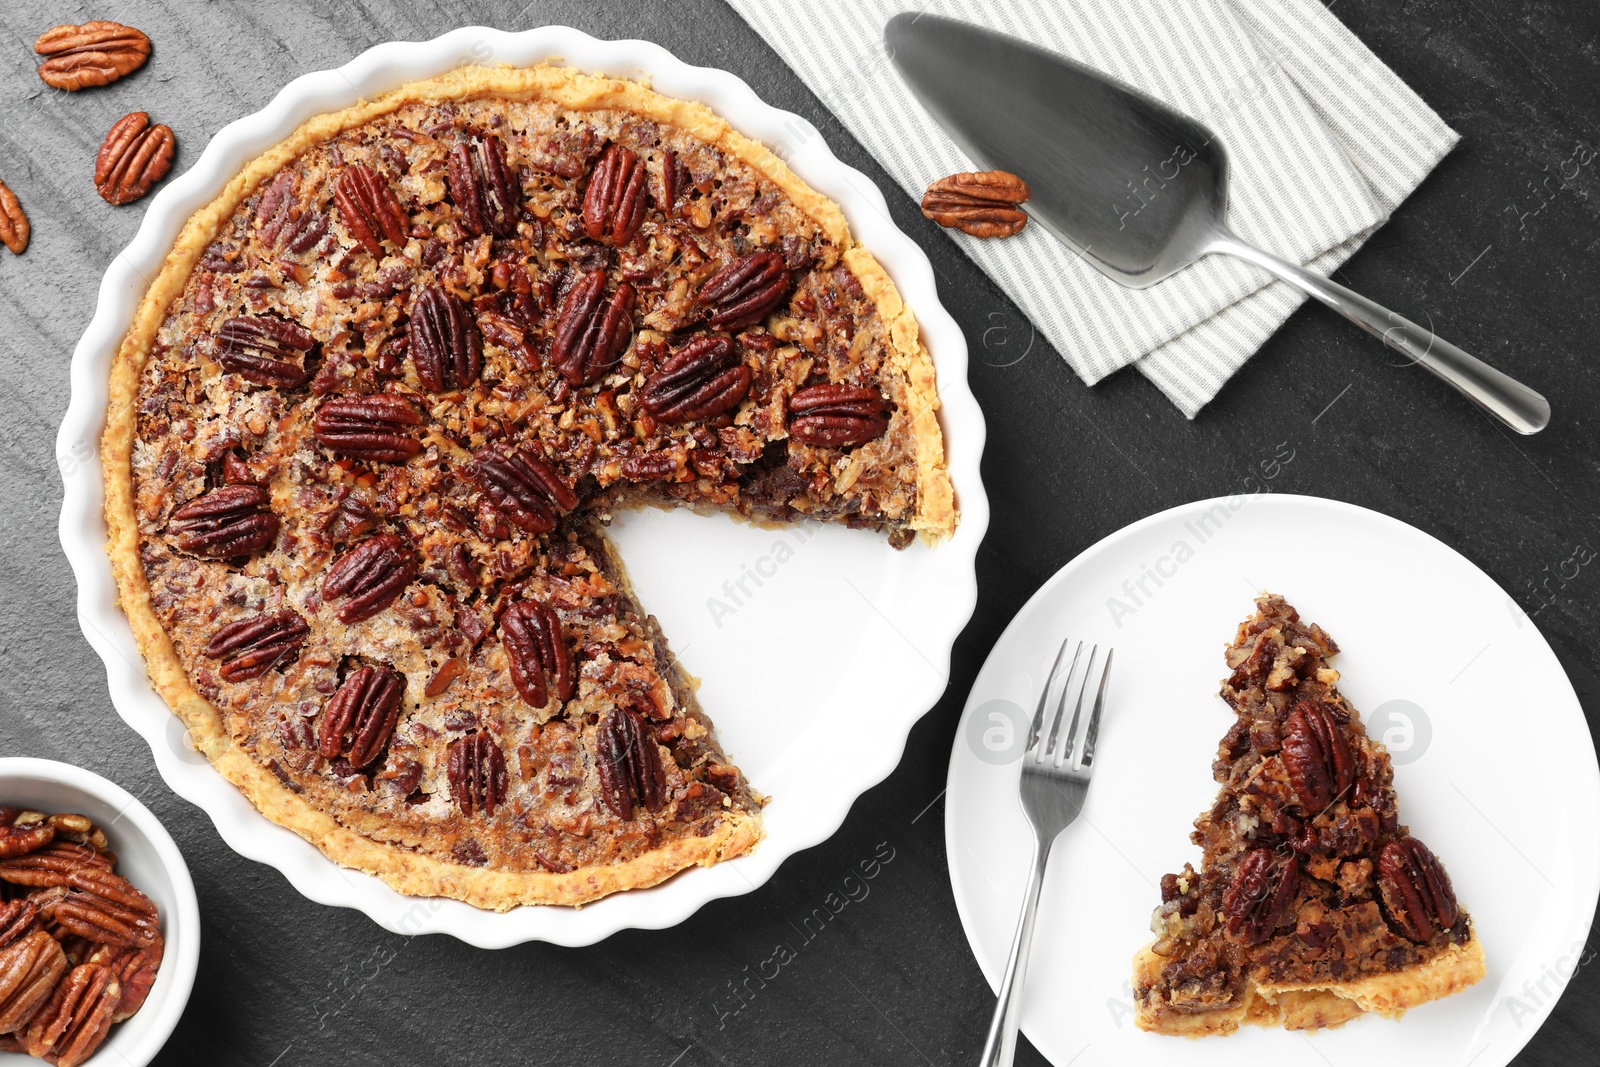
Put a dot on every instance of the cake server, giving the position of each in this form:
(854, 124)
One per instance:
(1080, 139)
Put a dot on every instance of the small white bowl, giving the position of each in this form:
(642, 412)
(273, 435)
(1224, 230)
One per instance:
(147, 857)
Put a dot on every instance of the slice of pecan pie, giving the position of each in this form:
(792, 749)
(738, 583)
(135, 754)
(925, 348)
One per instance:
(376, 409)
(1313, 903)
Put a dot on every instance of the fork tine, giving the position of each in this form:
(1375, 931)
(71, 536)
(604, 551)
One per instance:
(1044, 695)
(1061, 705)
(1086, 759)
(1064, 757)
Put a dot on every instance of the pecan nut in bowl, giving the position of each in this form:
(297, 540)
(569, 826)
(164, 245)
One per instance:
(135, 968)
(17, 918)
(90, 55)
(108, 911)
(20, 833)
(80, 830)
(86, 897)
(55, 864)
(71, 1026)
(30, 969)
(134, 156)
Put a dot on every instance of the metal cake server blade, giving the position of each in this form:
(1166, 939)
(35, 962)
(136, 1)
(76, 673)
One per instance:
(1137, 189)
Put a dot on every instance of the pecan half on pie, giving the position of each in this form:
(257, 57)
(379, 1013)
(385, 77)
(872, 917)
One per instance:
(1313, 903)
(374, 413)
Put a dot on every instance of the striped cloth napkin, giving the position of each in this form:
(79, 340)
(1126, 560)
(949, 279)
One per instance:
(1324, 142)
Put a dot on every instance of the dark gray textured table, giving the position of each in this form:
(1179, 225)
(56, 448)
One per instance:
(1497, 248)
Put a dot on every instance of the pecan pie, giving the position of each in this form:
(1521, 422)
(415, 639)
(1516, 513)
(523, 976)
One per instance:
(374, 415)
(1313, 903)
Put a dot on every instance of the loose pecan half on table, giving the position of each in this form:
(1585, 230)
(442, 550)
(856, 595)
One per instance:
(14, 228)
(90, 55)
(134, 156)
(982, 203)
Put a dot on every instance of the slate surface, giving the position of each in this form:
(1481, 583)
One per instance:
(1497, 248)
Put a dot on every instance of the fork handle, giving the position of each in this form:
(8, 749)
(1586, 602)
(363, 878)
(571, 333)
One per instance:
(1001, 1045)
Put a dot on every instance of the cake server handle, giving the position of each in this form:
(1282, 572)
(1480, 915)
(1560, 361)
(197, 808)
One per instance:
(1501, 395)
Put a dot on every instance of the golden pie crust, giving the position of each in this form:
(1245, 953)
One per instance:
(1314, 1006)
(407, 870)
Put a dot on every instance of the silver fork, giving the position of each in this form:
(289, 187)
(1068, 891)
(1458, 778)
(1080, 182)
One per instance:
(1055, 779)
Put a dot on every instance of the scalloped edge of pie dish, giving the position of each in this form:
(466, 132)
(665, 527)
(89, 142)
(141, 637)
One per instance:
(220, 171)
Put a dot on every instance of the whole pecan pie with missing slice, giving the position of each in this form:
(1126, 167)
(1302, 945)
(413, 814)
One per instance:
(1314, 903)
(373, 415)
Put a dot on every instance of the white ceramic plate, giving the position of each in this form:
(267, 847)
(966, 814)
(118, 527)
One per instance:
(866, 631)
(147, 857)
(1495, 770)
